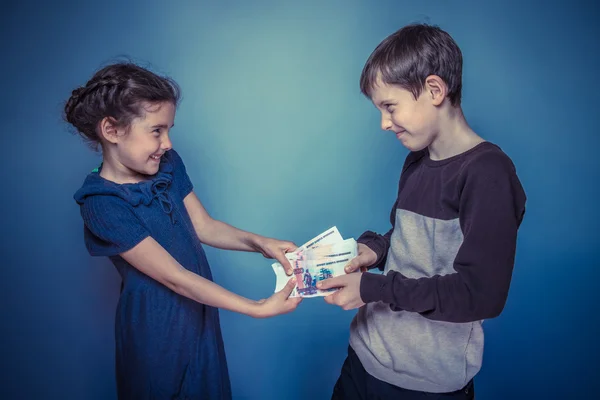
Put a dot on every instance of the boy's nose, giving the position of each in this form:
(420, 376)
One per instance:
(386, 123)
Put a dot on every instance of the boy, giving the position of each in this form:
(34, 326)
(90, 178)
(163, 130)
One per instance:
(449, 256)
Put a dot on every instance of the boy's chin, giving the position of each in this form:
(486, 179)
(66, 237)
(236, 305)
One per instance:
(413, 146)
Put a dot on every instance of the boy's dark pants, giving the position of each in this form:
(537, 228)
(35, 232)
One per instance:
(355, 383)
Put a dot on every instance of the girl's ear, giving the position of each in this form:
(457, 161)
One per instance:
(109, 130)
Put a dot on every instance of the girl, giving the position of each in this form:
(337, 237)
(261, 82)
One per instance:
(139, 209)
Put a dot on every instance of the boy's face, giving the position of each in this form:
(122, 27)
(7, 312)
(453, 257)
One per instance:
(413, 121)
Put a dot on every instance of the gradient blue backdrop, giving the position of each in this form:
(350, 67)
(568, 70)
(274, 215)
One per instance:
(278, 140)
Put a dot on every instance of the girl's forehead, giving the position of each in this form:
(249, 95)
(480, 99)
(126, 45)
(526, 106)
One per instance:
(157, 113)
(159, 108)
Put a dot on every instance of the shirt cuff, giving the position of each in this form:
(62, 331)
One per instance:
(372, 287)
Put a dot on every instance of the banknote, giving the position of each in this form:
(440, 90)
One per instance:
(342, 248)
(320, 258)
(331, 235)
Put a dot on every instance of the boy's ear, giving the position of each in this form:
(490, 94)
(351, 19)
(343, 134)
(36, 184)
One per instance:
(435, 89)
(108, 130)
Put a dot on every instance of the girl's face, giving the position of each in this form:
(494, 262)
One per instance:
(135, 153)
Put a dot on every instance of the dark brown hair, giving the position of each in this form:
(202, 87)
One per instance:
(408, 56)
(119, 91)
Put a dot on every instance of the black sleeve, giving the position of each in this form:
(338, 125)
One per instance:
(492, 205)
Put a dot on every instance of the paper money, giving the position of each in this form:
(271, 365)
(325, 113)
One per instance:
(331, 235)
(322, 257)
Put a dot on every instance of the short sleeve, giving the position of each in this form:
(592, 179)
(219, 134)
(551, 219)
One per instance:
(181, 180)
(111, 226)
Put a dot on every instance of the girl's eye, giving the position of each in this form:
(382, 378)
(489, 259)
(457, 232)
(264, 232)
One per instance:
(389, 108)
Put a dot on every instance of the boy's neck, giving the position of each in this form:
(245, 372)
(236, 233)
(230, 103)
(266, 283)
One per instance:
(454, 137)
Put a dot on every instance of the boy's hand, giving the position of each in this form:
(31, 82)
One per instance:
(278, 303)
(365, 258)
(348, 297)
(273, 248)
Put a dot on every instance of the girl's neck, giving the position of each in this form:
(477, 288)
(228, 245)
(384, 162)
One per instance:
(114, 171)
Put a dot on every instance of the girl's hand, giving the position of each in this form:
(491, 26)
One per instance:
(273, 248)
(278, 303)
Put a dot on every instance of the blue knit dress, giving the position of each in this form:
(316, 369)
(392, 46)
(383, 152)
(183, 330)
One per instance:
(167, 346)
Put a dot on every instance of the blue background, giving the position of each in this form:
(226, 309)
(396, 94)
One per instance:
(278, 140)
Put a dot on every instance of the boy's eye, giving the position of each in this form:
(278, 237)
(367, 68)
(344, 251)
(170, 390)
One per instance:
(389, 108)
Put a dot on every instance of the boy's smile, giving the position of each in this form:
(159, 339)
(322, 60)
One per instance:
(411, 120)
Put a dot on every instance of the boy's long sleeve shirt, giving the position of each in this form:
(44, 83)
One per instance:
(447, 262)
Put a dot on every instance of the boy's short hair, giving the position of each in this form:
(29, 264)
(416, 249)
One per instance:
(411, 54)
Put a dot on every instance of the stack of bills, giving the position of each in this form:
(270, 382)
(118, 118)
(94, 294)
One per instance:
(322, 257)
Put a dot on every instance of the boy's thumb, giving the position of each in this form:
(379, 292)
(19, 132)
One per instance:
(327, 283)
(353, 265)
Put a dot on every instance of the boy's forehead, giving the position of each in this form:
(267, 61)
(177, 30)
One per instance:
(381, 91)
